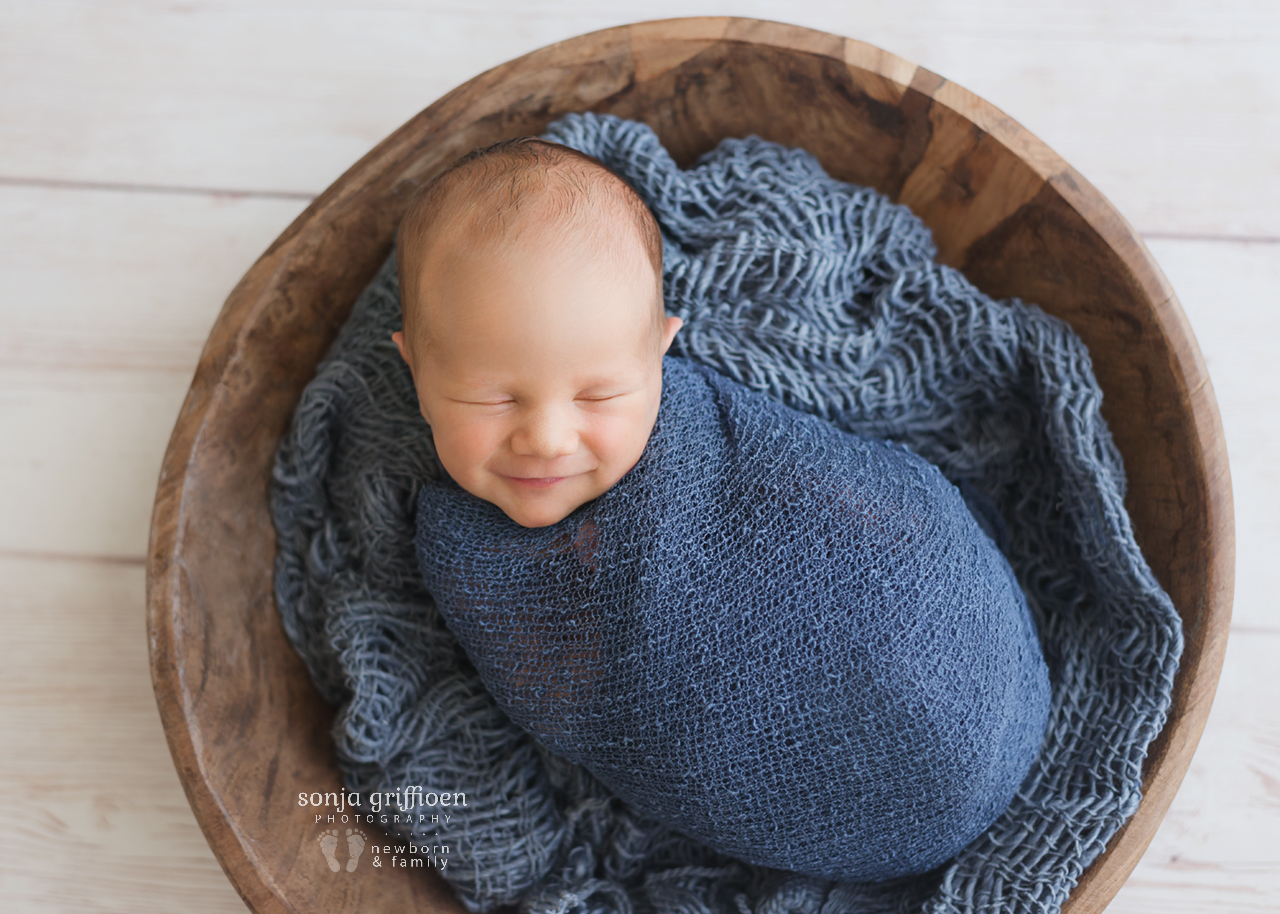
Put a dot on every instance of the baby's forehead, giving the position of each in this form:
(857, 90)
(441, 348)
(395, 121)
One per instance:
(494, 191)
(536, 208)
(579, 204)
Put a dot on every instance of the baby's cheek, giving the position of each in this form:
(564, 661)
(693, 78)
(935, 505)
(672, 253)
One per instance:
(467, 445)
(618, 440)
(462, 468)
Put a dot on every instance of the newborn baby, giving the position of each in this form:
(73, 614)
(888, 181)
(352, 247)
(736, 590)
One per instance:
(791, 643)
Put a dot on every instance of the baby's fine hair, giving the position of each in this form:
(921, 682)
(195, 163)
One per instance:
(489, 187)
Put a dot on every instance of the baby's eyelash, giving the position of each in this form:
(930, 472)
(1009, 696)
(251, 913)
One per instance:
(508, 401)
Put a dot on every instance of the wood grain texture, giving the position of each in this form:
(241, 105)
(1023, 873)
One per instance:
(1214, 847)
(108, 296)
(80, 447)
(1231, 292)
(121, 279)
(79, 451)
(242, 721)
(1170, 108)
(94, 819)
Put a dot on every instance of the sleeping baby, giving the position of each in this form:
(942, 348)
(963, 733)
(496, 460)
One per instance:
(789, 642)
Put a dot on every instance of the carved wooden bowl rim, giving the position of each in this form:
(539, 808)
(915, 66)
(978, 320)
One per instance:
(240, 716)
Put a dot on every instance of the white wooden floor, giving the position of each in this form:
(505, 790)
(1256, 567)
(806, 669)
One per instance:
(149, 151)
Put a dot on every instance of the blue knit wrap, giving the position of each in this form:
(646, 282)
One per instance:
(789, 642)
(825, 297)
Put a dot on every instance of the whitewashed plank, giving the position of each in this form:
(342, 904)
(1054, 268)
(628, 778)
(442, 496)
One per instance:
(1231, 294)
(111, 296)
(94, 818)
(95, 814)
(1172, 109)
(108, 298)
(116, 279)
(80, 455)
(1216, 851)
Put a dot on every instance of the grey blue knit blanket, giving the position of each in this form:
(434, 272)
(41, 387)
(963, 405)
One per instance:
(789, 642)
(825, 297)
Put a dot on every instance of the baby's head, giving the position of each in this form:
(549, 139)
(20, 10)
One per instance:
(531, 284)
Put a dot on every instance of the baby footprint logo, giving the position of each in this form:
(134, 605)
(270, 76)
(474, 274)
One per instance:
(329, 844)
(356, 840)
(355, 847)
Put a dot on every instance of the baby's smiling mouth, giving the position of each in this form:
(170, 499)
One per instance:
(538, 482)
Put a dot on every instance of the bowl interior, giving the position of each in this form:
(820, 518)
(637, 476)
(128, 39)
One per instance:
(247, 730)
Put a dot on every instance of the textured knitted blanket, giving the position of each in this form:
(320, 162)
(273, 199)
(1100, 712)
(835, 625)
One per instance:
(789, 642)
(823, 296)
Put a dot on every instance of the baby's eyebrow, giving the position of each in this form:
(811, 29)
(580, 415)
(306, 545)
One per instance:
(461, 392)
(611, 386)
(459, 382)
(481, 398)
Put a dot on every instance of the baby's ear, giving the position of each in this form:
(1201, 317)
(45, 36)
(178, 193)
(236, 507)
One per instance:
(673, 324)
(398, 339)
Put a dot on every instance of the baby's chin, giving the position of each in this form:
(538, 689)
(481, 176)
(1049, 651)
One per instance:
(540, 515)
(531, 506)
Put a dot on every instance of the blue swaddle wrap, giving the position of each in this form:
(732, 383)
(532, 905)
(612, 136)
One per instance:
(826, 297)
(789, 642)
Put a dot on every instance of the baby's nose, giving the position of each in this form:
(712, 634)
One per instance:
(546, 433)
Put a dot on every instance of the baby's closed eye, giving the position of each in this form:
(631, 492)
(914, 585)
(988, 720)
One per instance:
(604, 405)
(501, 402)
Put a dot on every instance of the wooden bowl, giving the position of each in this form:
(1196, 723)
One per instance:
(247, 730)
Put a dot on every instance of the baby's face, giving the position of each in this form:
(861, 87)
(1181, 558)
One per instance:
(543, 373)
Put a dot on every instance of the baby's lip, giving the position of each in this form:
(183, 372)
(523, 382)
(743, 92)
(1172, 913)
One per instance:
(536, 482)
